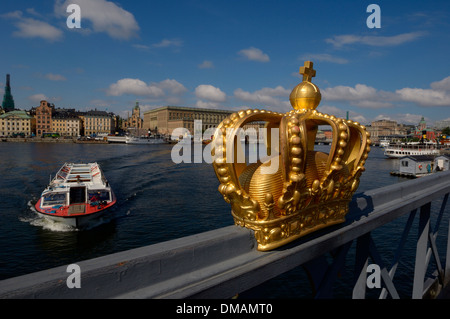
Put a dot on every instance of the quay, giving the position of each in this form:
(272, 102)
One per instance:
(225, 262)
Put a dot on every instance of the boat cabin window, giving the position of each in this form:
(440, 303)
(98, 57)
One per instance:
(405, 163)
(54, 199)
(98, 196)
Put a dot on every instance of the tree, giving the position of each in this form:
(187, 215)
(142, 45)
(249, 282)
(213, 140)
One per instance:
(446, 131)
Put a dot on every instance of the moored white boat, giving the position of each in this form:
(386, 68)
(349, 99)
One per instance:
(401, 150)
(77, 194)
(384, 143)
(153, 139)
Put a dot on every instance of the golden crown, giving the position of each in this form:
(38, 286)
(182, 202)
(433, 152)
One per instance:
(308, 190)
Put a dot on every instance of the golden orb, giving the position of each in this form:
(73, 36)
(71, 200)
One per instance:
(305, 95)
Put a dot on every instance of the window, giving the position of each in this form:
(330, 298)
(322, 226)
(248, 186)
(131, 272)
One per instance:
(54, 199)
(405, 163)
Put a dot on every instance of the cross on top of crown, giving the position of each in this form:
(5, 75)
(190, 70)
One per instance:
(308, 71)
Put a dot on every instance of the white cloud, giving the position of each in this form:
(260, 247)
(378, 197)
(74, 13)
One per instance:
(324, 57)
(361, 95)
(168, 89)
(379, 41)
(173, 86)
(168, 43)
(38, 97)
(425, 97)
(443, 85)
(210, 93)
(104, 16)
(438, 95)
(32, 28)
(332, 110)
(277, 98)
(368, 97)
(134, 87)
(254, 54)
(206, 65)
(141, 47)
(55, 77)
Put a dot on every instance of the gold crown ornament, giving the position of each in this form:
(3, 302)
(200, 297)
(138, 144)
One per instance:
(308, 190)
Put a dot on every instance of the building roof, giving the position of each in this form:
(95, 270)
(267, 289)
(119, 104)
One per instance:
(96, 113)
(420, 158)
(16, 113)
(191, 109)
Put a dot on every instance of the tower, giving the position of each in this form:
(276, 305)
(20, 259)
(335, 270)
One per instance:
(8, 101)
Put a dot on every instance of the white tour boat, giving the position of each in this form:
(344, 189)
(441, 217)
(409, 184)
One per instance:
(402, 150)
(77, 194)
(384, 143)
(153, 139)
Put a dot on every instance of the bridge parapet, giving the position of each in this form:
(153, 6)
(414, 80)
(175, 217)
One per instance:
(224, 262)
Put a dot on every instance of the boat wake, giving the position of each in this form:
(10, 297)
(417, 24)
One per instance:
(39, 221)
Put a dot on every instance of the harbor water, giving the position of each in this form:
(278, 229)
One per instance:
(158, 200)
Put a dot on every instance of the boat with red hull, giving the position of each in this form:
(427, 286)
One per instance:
(77, 194)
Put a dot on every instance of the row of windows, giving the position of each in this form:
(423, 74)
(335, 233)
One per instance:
(202, 116)
(17, 124)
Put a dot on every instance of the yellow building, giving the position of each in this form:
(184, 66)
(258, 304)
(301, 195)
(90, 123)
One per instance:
(66, 126)
(165, 119)
(16, 123)
(98, 123)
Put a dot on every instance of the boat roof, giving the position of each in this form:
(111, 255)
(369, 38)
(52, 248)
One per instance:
(71, 174)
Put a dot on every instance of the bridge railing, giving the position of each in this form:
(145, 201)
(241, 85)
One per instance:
(224, 262)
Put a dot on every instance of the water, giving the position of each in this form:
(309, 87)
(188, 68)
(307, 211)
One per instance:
(157, 201)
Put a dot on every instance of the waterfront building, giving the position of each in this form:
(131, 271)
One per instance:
(443, 162)
(134, 124)
(386, 129)
(15, 123)
(66, 122)
(44, 114)
(165, 119)
(135, 121)
(416, 165)
(8, 101)
(422, 131)
(98, 123)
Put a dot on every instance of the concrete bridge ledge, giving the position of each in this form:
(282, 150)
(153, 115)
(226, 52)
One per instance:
(127, 274)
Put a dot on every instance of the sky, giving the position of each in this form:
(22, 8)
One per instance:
(230, 55)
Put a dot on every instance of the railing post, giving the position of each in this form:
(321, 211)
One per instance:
(361, 263)
(447, 259)
(421, 252)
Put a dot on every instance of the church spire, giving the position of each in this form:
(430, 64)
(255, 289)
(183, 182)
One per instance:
(8, 101)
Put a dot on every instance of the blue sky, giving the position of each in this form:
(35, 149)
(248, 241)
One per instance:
(230, 55)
